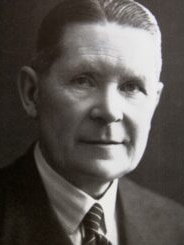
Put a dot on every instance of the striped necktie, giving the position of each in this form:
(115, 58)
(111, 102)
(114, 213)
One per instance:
(92, 223)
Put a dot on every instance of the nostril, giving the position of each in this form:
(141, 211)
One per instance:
(106, 115)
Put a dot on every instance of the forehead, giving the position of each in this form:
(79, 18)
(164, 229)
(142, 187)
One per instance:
(110, 46)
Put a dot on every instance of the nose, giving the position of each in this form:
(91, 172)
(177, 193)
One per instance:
(108, 106)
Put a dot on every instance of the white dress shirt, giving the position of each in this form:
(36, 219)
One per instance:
(71, 204)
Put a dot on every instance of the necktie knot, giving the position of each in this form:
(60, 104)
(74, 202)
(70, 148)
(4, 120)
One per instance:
(93, 218)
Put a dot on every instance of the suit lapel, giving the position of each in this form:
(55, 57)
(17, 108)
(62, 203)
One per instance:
(41, 227)
(128, 217)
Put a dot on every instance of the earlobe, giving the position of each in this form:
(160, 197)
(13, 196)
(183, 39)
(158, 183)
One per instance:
(160, 87)
(28, 90)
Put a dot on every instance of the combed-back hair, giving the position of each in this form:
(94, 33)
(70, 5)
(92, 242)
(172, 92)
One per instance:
(122, 12)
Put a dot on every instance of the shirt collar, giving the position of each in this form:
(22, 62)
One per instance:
(69, 202)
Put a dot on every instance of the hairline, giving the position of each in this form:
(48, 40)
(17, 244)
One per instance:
(55, 52)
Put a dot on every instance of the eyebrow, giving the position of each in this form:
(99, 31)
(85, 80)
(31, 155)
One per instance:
(128, 75)
(87, 66)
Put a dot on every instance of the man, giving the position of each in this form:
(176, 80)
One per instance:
(93, 87)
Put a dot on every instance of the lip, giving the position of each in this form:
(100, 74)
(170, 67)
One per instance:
(101, 142)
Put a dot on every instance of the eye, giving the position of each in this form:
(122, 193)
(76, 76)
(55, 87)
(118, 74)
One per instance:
(83, 81)
(132, 87)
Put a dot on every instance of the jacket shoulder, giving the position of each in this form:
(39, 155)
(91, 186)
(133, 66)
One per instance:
(12, 172)
(12, 180)
(155, 215)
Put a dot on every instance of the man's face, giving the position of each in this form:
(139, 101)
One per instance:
(95, 106)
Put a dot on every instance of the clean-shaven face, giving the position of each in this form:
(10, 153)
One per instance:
(95, 106)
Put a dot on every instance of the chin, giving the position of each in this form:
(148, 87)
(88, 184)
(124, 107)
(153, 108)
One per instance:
(112, 169)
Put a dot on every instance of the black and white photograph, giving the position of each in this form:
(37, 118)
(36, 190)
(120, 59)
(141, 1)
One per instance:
(91, 122)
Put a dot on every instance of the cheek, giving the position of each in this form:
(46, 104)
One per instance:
(139, 135)
(138, 123)
(61, 116)
(57, 122)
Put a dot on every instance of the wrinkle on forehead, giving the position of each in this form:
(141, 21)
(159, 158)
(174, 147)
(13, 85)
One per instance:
(109, 63)
(110, 44)
(102, 66)
(108, 40)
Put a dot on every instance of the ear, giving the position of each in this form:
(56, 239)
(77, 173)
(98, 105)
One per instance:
(159, 90)
(28, 90)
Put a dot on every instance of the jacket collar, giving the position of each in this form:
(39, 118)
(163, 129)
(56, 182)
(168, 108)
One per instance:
(42, 225)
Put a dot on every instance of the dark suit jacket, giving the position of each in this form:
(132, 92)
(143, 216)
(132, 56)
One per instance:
(26, 217)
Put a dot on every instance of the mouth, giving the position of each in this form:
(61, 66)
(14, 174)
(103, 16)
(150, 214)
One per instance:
(101, 142)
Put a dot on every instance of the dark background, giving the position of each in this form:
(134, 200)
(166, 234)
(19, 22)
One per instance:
(162, 168)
